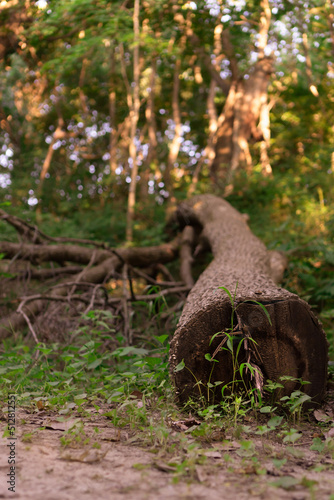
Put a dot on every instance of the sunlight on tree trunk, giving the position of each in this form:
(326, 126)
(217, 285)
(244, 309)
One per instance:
(134, 113)
(151, 160)
(58, 134)
(243, 109)
(264, 127)
(112, 114)
(265, 20)
(174, 146)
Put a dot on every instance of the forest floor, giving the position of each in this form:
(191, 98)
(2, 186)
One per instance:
(86, 457)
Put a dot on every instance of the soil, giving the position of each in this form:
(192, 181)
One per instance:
(102, 461)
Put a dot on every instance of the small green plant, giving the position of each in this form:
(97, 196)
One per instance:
(75, 436)
(235, 337)
(295, 401)
(291, 436)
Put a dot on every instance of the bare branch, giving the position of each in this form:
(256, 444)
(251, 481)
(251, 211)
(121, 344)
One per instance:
(151, 296)
(187, 245)
(20, 310)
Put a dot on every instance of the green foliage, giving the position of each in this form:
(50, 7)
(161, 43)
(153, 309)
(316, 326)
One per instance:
(68, 376)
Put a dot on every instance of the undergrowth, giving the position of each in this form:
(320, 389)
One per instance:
(97, 367)
(130, 386)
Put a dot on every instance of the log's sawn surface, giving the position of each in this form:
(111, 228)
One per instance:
(294, 344)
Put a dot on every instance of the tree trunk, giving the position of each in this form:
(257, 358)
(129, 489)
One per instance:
(242, 112)
(293, 343)
(134, 113)
(112, 115)
(174, 146)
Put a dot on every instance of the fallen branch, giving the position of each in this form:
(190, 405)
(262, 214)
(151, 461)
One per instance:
(186, 258)
(101, 265)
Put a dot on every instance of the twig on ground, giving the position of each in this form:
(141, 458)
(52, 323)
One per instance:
(42, 274)
(89, 266)
(92, 300)
(162, 293)
(21, 311)
(166, 272)
(153, 281)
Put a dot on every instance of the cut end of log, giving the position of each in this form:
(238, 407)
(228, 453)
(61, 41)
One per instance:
(293, 346)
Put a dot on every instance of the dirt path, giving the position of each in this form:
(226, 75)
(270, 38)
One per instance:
(96, 460)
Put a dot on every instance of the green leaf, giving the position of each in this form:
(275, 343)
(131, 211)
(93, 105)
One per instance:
(279, 462)
(81, 396)
(161, 338)
(246, 365)
(228, 293)
(317, 445)
(95, 364)
(292, 437)
(266, 409)
(275, 421)
(263, 309)
(213, 337)
(179, 367)
(300, 401)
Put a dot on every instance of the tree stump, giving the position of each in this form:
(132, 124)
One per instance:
(291, 344)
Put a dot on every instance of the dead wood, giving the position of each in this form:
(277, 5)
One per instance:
(33, 234)
(186, 258)
(45, 274)
(293, 344)
(38, 254)
(100, 265)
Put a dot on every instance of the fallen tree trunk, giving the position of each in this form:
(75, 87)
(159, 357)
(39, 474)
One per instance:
(292, 343)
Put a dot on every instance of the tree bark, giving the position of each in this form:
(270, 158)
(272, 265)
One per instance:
(242, 112)
(293, 344)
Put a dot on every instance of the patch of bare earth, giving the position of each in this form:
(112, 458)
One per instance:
(106, 462)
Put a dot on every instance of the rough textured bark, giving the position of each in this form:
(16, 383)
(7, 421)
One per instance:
(294, 344)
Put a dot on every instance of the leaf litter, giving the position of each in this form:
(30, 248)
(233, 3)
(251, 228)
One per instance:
(88, 457)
